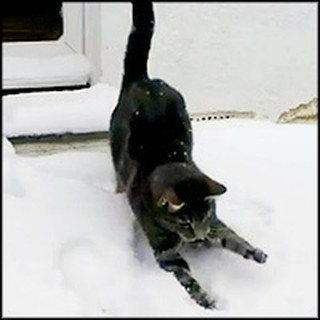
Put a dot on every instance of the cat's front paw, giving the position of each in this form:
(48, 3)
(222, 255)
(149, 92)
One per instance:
(257, 255)
(260, 256)
(206, 302)
(200, 296)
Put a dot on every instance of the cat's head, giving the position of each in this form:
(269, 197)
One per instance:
(187, 199)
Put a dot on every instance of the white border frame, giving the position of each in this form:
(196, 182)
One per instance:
(73, 23)
(82, 32)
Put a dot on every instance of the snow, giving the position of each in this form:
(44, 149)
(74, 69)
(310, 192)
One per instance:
(44, 64)
(71, 248)
(84, 110)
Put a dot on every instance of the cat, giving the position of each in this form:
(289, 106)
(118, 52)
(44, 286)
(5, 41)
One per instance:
(151, 145)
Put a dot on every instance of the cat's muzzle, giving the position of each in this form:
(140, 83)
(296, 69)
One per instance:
(199, 233)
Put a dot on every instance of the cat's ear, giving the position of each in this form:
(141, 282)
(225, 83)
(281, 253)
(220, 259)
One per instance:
(170, 197)
(215, 188)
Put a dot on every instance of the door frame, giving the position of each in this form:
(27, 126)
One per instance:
(82, 32)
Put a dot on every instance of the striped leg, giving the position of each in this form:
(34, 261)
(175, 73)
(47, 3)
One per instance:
(232, 241)
(173, 262)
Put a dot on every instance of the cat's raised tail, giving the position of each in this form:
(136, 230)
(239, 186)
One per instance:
(139, 42)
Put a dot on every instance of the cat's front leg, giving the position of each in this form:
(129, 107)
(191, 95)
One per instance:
(172, 261)
(232, 241)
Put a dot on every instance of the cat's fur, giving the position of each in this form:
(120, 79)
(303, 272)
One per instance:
(151, 142)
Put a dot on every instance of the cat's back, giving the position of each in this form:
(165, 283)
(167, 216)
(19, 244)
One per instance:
(151, 98)
(158, 113)
(150, 107)
(154, 119)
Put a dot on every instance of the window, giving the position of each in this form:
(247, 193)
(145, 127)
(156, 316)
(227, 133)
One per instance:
(49, 46)
(31, 21)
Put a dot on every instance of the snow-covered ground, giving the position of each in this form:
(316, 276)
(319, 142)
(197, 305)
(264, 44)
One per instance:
(70, 248)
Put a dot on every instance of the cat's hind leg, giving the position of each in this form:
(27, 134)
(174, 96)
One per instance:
(231, 240)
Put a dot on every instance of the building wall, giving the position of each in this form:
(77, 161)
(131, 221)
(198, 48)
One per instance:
(259, 57)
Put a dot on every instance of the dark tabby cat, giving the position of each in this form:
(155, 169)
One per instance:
(151, 141)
